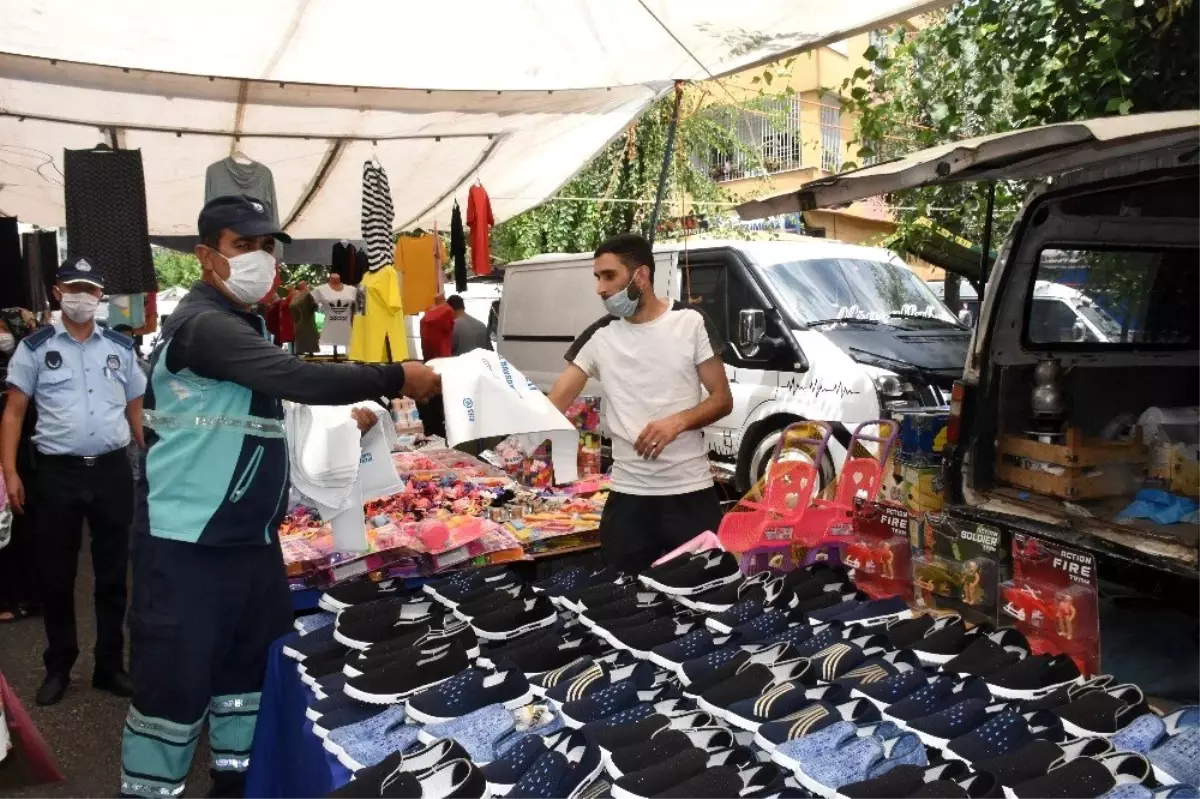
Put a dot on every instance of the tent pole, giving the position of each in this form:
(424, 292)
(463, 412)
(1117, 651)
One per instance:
(666, 164)
(984, 259)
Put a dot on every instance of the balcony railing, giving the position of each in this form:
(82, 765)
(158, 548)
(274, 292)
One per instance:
(769, 139)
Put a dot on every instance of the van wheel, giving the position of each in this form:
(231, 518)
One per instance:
(758, 446)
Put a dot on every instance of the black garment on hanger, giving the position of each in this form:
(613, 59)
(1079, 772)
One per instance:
(106, 217)
(458, 249)
(37, 249)
(361, 260)
(45, 252)
(13, 288)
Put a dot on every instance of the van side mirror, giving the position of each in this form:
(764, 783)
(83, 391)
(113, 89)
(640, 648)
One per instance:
(1079, 332)
(752, 327)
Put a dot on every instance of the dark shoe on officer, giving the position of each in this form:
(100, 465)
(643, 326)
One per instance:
(52, 689)
(116, 683)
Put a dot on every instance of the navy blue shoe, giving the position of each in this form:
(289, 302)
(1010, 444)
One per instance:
(699, 668)
(503, 773)
(771, 622)
(890, 690)
(1001, 734)
(572, 762)
(935, 697)
(560, 676)
(613, 699)
(779, 701)
(832, 634)
(299, 647)
(467, 692)
(599, 676)
(876, 611)
(811, 718)
(794, 634)
(698, 643)
(351, 713)
(939, 729)
(320, 707)
(722, 598)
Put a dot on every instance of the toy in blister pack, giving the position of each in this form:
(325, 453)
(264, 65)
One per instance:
(879, 551)
(959, 569)
(1051, 598)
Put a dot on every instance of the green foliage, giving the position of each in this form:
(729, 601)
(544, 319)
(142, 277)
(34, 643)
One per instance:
(175, 268)
(987, 66)
(619, 185)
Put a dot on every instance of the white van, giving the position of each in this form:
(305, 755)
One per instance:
(1058, 312)
(816, 329)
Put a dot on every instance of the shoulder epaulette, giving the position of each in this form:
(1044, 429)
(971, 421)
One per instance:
(118, 338)
(39, 337)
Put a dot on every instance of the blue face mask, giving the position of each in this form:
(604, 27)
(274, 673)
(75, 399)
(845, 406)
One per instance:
(624, 303)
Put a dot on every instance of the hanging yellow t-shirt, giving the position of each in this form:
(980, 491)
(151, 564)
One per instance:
(378, 322)
(418, 263)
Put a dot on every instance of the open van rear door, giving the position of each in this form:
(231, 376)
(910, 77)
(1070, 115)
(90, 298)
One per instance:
(1016, 155)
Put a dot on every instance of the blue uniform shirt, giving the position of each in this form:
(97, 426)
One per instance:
(80, 389)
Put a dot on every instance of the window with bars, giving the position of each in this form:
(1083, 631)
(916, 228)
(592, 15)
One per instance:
(769, 134)
(831, 134)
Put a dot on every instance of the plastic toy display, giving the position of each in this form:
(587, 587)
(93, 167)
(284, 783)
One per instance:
(879, 551)
(1051, 599)
(959, 569)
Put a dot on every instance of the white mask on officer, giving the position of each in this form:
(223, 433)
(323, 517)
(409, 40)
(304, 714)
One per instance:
(250, 275)
(79, 308)
(7, 343)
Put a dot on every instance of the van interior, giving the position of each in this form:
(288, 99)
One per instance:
(1130, 247)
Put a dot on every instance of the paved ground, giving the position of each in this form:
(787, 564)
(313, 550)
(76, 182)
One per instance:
(84, 730)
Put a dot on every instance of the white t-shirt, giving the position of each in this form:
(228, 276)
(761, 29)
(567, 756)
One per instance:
(338, 307)
(649, 372)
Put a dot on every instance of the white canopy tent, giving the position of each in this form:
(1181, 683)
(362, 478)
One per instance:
(517, 94)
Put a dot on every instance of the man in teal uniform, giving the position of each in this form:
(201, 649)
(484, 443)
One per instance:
(209, 588)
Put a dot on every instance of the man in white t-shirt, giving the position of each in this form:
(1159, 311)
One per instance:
(653, 358)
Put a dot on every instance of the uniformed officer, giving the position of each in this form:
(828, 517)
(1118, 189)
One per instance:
(209, 587)
(88, 389)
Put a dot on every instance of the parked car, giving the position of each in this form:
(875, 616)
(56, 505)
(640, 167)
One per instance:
(815, 329)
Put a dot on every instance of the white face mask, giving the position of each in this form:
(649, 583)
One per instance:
(7, 343)
(79, 308)
(250, 275)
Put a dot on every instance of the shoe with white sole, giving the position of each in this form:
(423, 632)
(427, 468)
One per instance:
(704, 571)
(1103, 712)
(1033, 677)
(443, 630)
(360, 591)
(721, 598)
(564, 771)
(515, 619)
(410, 673)
(467, 692)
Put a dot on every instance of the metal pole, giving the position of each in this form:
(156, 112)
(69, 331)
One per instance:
(984, 257)
(666, 164)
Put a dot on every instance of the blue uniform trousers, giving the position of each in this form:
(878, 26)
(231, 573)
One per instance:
(201, 622)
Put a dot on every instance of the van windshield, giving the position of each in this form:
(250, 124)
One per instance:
(830, 289)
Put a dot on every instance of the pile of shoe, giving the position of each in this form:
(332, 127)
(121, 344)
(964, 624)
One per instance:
(693, 680)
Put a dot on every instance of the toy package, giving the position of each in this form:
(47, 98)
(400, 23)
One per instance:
(584, 413)
(1052, 600)
(959, 568)
(879, 550)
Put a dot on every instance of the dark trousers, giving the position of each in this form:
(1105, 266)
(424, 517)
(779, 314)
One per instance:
(71, 490)
(637, 530)
(201, 623)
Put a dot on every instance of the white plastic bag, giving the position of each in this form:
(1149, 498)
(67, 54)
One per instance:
(485, 396)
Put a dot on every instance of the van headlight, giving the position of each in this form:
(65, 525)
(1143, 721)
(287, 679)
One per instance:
(892, 387)
(895, 392)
